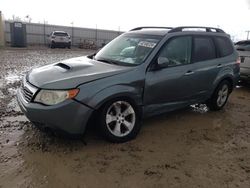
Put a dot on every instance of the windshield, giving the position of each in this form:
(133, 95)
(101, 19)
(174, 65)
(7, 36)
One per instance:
(128, 49)
(60, 34)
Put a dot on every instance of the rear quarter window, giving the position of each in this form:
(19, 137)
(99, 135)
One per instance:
(60, 34)
(224, 46)
(204, 49)
(243, 43)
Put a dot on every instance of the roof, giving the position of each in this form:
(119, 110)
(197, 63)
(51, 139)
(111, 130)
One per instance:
(59, 31)
(161, 31)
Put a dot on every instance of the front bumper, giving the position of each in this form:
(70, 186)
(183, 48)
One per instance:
(69, 116)
(62, 43)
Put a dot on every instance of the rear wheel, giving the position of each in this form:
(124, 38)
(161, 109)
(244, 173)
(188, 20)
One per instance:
(119, 121)
(52, 45)
(220, 96)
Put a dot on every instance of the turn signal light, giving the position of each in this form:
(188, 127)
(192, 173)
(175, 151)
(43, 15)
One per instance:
(72, 93)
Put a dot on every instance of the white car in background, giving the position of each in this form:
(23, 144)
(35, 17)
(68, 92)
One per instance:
(59, 39)
(245, 66)
(243, 45)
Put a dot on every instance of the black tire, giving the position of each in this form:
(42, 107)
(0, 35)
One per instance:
(106, 129)
(213, 103)
(52, 45)
(69, 46)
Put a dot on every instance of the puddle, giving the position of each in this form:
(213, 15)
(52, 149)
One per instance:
(13, 77)
(238, 86)
(1, 95)
(13, 105)
(15, 118)
(12, 91)
(12, 121)
(200, 108)
(1, 83)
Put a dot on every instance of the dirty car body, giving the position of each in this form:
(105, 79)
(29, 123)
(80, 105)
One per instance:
(138, 74)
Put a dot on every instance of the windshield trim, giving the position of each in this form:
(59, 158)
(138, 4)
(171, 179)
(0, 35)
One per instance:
(113, 62)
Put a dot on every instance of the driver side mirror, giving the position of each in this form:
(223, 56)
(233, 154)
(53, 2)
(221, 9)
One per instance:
(162, 62)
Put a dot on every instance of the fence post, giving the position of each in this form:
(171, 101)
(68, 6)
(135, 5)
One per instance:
(96, 35)
(72, 34)
(44, 34)
(119, 28)
(2, 42)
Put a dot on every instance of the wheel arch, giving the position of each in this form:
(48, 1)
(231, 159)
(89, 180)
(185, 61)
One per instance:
(123, 96)
(228, 78)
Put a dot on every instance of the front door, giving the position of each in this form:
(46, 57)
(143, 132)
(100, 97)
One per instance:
(170, 87)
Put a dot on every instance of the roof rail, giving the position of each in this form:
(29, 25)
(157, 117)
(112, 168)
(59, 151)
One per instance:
(208, 29)
(149, 27)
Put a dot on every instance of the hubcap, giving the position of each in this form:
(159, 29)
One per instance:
(120, 118)
(222, 95)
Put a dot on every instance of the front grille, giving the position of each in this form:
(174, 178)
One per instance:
(27, 94)
(27, 90)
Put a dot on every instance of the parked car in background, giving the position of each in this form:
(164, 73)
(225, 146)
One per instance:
(59, 39)
(243, 45)
(143, 72)
(245, 66)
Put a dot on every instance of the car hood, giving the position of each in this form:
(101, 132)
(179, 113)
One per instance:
(71, 73)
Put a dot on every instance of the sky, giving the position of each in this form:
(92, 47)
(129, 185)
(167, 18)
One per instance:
(233, 16)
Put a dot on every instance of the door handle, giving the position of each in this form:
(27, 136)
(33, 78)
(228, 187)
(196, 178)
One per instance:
(189, 73)
(219, 65)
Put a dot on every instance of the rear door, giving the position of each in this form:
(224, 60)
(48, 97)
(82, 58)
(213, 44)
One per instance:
(211, 56)
(206, 66)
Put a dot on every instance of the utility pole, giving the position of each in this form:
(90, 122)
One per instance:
(119, 29)
(44, 32)
(96, 36)
(248, 34)
(72, 36)
(2, 40)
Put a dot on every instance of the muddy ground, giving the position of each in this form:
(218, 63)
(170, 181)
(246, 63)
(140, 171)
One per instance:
(188, 148)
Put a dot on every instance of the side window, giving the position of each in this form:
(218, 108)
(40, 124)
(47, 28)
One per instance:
(177, 51)
(248, 43)
(224, 46)
(204, 49)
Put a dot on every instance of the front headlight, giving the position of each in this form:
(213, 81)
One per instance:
(52, 97)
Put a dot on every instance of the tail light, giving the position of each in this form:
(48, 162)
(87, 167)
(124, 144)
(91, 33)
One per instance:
(238, 61)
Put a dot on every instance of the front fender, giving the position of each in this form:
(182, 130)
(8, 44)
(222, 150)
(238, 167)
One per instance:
(116, 91)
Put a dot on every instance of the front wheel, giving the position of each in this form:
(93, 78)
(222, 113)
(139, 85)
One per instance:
(52, 45)
(220, 96)
(119, 121)
(69, 45)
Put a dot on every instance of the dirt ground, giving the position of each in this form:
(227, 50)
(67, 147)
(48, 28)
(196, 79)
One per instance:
(188, 148)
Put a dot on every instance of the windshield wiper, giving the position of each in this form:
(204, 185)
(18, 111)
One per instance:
(107, 61)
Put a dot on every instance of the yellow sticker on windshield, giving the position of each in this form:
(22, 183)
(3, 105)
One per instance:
(147, 44)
